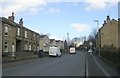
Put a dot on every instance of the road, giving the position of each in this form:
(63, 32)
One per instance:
(66, 65)
(97, 67)
(79, 64)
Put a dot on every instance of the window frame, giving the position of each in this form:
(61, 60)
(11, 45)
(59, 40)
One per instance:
(25, 34)
(6, 44)
(18, 31)
(6, 30)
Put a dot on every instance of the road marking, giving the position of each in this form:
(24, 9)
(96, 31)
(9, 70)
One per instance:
(86, 70)
(86, 67)
(104, 71)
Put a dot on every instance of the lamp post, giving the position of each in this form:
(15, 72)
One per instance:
(68, 42)
(98, 35)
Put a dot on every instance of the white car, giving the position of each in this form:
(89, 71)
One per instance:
(72, 50)
(54, 51)
(90, 50)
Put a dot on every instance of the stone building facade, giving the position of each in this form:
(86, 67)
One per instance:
(44, 43)
(18, 42)
(108, 34)
(52, 42)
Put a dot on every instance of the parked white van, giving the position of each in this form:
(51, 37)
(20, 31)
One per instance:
(72, 50)
(54, 51)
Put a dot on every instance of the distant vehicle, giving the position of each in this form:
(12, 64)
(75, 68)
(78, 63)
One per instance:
(54, 51)
(90, 51)
(72, 50)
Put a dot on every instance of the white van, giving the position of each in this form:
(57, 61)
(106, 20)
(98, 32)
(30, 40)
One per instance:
(54, 51)
(72, 50)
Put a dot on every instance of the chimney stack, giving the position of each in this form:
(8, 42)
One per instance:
(108, 19)
(104, 22)
(21, 22)
(12, 18)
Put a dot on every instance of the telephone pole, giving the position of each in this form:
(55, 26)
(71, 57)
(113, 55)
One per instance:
(99, 37)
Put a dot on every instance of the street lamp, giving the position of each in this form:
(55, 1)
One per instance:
(98, 35)
(97, 24)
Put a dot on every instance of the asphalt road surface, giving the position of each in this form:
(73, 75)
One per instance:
(79, 64)
(96, 67)
(66, 65)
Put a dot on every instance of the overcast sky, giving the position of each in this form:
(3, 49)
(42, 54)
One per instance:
(59, 17)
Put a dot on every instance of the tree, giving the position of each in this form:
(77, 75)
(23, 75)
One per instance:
(65, 46)
(91, 37)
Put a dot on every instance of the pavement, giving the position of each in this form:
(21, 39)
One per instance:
(15, 63)
(20, 62)
(97, 67)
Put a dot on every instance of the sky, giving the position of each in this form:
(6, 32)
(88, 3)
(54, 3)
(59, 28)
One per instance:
(59, 17)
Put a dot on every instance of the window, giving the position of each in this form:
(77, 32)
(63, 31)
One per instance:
(13, 48)
(25, 46)
(34, 36)
(6, 31)
(34, 47)
(29, 46)
(6, 47)
(25, 34)
(18, 31)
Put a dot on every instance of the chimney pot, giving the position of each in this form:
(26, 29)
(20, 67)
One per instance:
(12, 18)
(21, 22)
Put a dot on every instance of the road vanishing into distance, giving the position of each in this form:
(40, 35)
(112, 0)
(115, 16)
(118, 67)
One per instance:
(79, 64)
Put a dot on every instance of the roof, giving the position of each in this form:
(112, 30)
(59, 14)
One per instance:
(51, 40)
(14, 24)
(5, 20)
(57, 40)
(42, 36)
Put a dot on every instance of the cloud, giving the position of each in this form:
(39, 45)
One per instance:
(18, 6)
(81, 27)
(99, 4)
(65, 0)
(54, 10)
(55, 37)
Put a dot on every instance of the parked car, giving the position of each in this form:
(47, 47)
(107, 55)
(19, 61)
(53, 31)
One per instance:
(54, 51)
(72, 50)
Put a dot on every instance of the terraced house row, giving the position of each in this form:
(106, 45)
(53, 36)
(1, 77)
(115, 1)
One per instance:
(19, 42)
(109, 34)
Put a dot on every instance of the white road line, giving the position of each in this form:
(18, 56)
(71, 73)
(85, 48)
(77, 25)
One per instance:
(86, 67)
(104, 71)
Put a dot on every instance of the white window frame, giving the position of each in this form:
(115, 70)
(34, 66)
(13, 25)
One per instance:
(6, 30)
(13, 47)
(29, 46)
(18, 31)
(25, 34)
